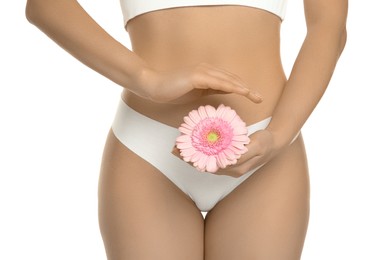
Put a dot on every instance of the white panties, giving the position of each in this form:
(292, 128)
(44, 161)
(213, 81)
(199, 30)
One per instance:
(153, 141)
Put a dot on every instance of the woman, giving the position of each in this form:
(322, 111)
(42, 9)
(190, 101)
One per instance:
(188, 54)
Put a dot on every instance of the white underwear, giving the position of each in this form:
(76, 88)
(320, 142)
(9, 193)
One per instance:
(153, 141)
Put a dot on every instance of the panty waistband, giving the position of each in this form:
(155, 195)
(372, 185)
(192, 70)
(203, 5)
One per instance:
(126, 114)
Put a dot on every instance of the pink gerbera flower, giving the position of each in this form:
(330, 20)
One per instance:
(212, 138)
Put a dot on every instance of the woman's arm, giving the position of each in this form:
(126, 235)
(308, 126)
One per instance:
(310, 76)
(313, 68)
(68, 24)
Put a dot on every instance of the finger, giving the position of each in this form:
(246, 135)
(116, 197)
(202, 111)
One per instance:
(221, 73)
(250, 157)
(226, 86)
(252, 164)
(213, 92)
(251, 96)
(236, 80)
(253, 151)
(255, 97)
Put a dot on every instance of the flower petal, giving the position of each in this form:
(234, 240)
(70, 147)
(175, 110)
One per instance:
(194, 116)
(241, 138)
(221, 110)
(211, 165)
(196, 156)
(187, 158)
(185, 130)
(187, 126)
(202, 112)
(201, 164)
(183, 139)
(211, 111)
(182, 146)
(187, 152)
(237, 121)
(239, 129)
(222, 160)
(232, 162)
(229, 154)
(188, 121)
(229, 115)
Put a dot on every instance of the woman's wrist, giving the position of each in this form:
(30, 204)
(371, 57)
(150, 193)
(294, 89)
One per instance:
(138, 79)
(281, 139)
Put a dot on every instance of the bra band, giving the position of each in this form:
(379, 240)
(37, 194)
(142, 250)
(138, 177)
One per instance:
(133, 8)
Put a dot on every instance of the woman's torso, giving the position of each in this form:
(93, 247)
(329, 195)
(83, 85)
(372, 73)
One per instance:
(243, 40)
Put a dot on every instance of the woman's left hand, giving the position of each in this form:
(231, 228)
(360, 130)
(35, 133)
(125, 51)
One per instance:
(261, 149)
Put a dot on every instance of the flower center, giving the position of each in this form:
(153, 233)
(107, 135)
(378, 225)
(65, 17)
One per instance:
(212, 137)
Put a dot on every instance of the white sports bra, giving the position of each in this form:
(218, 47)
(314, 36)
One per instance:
(132, 8)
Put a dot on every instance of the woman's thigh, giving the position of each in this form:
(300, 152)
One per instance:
(266, 217)
(142, 214)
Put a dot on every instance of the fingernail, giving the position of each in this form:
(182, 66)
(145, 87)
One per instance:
(258, 97)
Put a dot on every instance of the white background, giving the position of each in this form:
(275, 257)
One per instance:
(55, 114)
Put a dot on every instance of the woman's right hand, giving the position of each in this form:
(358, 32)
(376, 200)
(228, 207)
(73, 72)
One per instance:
(188, 84)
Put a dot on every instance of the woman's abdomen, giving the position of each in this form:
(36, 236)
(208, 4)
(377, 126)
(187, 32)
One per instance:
(247, 46)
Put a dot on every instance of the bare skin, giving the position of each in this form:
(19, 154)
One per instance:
(186, 57)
